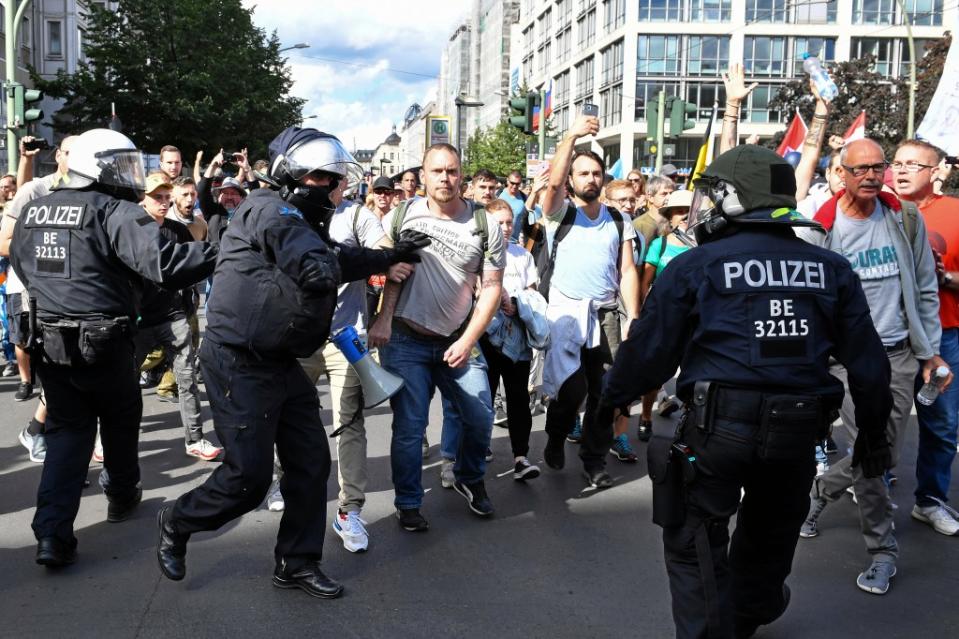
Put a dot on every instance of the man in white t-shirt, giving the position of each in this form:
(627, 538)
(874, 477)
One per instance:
(427, 334)
(594, 263)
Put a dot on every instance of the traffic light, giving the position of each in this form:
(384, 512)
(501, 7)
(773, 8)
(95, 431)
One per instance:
(652, 119)
(23, 112)
(677, 117)
(522, 109)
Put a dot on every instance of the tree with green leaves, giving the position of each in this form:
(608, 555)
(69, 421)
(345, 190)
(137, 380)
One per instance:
(500, 149)
(860, 87)
(193, 73)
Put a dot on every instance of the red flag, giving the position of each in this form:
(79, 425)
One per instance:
(857, 130)
(795, 135)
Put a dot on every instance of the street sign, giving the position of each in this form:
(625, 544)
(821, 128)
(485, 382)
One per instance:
(669, 150)
(532, 148)
(437, 130)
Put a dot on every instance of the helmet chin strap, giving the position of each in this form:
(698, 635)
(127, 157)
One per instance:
(313, 201)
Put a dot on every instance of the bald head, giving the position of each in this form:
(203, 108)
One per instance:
(858, 148)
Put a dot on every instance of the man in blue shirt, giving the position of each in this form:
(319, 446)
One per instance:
(516, 199)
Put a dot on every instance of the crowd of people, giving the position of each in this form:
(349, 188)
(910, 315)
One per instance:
(508, 301)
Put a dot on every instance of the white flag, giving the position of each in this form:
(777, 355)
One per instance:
(941, 124)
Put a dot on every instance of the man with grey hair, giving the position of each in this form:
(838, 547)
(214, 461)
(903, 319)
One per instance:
(885, 241)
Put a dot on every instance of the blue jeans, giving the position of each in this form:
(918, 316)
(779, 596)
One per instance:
(452, 430)
(937, 431)
(419, 361)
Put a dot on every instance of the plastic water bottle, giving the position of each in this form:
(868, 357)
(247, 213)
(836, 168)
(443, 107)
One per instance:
(931, 389)
(824, 84)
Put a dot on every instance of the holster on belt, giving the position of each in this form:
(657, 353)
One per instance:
(670, 466)
(68, 342)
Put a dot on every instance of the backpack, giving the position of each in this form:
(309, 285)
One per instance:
(545, 256)
(479, 219)
(910, 213)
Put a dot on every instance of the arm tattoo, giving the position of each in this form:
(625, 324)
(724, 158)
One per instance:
(817, 131)
(492, 278)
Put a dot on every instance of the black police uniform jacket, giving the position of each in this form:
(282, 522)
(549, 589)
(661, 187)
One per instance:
(275, 284)
(758, 309)
(82, 254)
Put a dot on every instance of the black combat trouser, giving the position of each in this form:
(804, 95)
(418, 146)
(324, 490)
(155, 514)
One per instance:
(76, 397)
(587, 384)
(256, 404)
(743, 588)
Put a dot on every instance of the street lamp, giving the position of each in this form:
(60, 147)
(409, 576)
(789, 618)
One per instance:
(299, 45)
(308, 117)
(462, 101)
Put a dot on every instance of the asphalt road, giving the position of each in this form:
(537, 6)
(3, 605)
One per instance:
(555, 561)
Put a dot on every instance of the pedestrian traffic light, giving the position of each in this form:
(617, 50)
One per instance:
(522, 109)
(677, 117)
(23, 112)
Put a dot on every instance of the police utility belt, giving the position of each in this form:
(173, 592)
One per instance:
(782, 427)
(68, 342)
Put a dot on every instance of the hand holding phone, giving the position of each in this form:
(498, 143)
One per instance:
(591, 110)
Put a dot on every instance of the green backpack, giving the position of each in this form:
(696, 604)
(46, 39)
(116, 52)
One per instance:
(479, 219)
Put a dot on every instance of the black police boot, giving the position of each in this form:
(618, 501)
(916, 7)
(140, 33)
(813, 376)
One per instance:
(118, 511)
(555, 453)
(645, 431)
(597, 478)
(171, 547)
(743, 627)
(53, 553)
(308, 578)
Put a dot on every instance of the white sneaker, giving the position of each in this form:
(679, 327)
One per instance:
(352, 530)
(98, 450)
(274, 498)
(447, 479)
(821, 468)
(943, 519)
(203, 449)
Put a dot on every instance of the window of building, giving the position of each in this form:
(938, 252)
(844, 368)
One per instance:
(586, 29)
(26, 36)
(584, 78)
(766, 10)
(564, 13)
(660, 10)
(710, 10)
(881, 48)
(924, 12)
(561, 88)
(873, 11)
(657, 55)
(611, 106)
(584, 5)
(564, 44)
(704, 95)
(614, 15)
(822, 48)
(528, 38)
(904, 60)
(54, 38)
(706, 55)
(814, 11)
(757, 104)
(612, 63)
(763, 55)
(561, 120)
(546, 24)
(646, 95)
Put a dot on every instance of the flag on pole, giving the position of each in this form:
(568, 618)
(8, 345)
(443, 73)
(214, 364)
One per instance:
(706, 150)
(616, 171)
(795, 135)
(548, 107)
(856, 130)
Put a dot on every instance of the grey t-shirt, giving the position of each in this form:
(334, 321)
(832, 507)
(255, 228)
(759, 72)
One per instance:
(353, 225)
(35, 188)
(869, 248)
(439, 294)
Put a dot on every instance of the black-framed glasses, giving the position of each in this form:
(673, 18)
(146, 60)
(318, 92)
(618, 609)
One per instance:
(910, 166)
(861, 169)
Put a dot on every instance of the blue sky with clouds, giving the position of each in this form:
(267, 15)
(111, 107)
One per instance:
(345, 74)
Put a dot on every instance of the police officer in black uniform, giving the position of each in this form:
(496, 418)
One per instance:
(751, 316)
(273, 299)
(82, 252)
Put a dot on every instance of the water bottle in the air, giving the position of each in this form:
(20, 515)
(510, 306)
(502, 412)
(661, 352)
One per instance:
(931, 389)
(824, 84)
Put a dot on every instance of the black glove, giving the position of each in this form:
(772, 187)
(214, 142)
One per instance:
(405, 248)
(873, 452)
(320, 276)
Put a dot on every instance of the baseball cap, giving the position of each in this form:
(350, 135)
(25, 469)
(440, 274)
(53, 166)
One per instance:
(383, 182)
(668, 170)
(157, 181)
(230, 183)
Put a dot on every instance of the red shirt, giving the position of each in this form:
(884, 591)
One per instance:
(941, 214)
